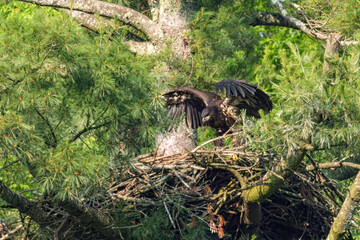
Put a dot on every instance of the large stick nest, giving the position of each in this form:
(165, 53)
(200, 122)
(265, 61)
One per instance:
(207, 182)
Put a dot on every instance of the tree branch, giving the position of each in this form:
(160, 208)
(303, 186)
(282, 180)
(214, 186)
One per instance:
(269, 19)
(340, 224)
(86, 129)
(142, 48)
(89, 20)
(49, 125)
(90, 218)
(24, 205)
(10, 164)
(274, 179)
(124, 14)
(296, 22)
(333, 165)
(9, 234)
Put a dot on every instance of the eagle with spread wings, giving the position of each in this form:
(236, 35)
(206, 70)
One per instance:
(209, 109)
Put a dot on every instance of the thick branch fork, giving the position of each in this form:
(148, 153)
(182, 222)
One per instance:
(124, 14)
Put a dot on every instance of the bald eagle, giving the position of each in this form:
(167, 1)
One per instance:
(209, 109)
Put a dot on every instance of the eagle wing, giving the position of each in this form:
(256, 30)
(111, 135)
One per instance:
(188, 101)
(243, 95)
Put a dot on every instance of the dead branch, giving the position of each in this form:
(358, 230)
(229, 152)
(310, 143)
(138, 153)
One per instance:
(333, 165)
(9, 234)
(297, 23)
(215, 181)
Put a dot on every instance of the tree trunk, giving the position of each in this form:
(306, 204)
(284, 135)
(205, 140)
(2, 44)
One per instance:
(332, 47)
(170, 17)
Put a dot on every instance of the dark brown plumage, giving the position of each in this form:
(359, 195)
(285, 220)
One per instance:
(209, 109)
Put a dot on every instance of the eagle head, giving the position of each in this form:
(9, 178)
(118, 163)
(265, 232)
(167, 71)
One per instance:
(208, 115)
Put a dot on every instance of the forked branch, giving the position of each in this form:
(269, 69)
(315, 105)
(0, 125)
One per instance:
(104, 9)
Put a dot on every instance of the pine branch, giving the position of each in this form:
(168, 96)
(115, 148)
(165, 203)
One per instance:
(95, 23)
(283, 19)
(86, 129)
(10, 164)
(91, 127)
(269, 19)
(338, 164)
(49, 125)
(142, 48)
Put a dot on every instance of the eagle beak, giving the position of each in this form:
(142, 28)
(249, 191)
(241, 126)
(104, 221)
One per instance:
(205, 119)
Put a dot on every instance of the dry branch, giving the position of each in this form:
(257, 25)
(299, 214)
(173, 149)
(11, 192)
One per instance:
(334, 165)
(297, 23)
(212, 182)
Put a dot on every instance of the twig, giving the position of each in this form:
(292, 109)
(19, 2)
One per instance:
(171, 220)
(12, 232)
(181, 180)
(86, 129)
(27, 228)
(213, 140)
(10, 164)
(49, 125)
(170, 167)
(338, 164)
(136, 200)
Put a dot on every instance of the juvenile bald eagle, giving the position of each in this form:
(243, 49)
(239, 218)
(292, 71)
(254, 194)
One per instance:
(208, 109)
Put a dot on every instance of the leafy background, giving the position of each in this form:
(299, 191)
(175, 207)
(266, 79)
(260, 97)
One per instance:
(58, 79)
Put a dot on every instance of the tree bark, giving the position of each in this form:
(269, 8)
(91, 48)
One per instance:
(24, 205)
(89, 20)
(168, 27)
(252, 218)
(332, 47)
(124, 14)
(275, 178)
(90, 218)
(340, 224)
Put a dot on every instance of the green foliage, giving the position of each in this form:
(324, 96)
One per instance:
(71, 102)
(68, 100)
(223, 46)
(343, 16)
(156, 227)
(309, 106)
